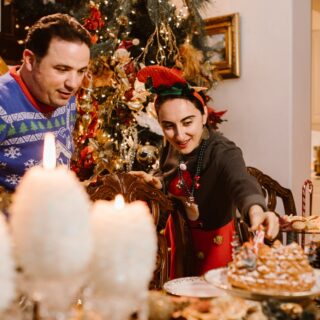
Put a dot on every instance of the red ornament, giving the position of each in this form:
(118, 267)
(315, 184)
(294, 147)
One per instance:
(95, 21)
(196, 178)
(176, 189)
(197, 185)
(215, 117)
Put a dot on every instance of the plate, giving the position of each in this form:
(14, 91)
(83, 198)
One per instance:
(194, 287)
(305, 231)
(218, 277)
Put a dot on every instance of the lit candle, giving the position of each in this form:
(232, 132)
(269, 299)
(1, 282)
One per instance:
(50, 222)
(49, 152)
(124, 258)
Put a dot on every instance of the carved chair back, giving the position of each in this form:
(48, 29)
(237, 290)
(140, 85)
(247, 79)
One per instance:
(134, 188)
(273, 192)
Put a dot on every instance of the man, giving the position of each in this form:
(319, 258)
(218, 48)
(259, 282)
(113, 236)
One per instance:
(38, 96)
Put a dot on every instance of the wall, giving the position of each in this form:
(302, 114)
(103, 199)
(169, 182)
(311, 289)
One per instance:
(269, 105)
(315, 97)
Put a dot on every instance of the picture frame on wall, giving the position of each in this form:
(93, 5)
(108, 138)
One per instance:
(223, 41)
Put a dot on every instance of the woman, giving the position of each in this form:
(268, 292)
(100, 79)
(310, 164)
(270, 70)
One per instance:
(204, 172)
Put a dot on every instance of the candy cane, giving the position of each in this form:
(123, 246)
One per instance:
(306, 184)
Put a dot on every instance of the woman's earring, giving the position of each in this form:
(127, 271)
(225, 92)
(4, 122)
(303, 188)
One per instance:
(205, 133)
(164, 141)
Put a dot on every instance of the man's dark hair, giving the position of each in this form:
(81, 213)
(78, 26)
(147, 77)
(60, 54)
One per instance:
(52, 26)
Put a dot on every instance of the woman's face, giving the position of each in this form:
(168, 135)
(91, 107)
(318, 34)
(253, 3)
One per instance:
(182, 124)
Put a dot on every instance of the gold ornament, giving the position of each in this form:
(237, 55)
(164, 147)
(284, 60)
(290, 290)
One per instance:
(116, 165)
(147, 154)
(86, 120)
(85, 107)
(104, 78)
(103, 137)
(190, 60)
(135, 106)
(3, 67)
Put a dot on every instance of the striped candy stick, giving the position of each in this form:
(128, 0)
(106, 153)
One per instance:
(307, 184)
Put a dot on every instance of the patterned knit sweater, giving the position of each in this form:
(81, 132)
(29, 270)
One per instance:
(22, 129)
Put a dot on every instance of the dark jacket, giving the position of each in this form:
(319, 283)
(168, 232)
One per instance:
(224, 181)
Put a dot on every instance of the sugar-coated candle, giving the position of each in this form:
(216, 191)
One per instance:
(50, 221)
(125, 247)
(7, 267)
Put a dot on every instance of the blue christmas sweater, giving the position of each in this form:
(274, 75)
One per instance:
(22, 129)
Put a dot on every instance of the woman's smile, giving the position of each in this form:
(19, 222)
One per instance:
(182, 124)
(182, 145)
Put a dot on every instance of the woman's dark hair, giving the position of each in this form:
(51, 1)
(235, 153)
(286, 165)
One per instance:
(197, 103)
(52, 26)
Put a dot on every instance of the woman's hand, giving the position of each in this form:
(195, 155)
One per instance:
(148, 178)
(266, 218)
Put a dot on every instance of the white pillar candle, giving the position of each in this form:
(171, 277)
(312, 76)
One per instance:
(124, 258)
(52, 234)
(7, 267)
(50, 220)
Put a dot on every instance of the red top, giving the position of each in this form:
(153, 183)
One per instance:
(211, 248)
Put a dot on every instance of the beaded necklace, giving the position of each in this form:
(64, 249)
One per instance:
(191, 206)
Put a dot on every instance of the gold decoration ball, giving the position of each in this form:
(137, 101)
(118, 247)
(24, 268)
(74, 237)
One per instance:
(116, 165)
(103, 137)
(147, 154)
(86, 120)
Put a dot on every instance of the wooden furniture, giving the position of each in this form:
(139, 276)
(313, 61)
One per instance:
(134, 188)
(273, 191)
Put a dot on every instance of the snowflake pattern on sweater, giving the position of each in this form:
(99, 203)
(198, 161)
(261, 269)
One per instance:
(22, 130)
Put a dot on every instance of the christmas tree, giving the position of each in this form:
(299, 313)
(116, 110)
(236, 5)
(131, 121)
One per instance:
(117, 129)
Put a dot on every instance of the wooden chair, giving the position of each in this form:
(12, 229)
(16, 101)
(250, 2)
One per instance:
(273, 191)
(134, 188)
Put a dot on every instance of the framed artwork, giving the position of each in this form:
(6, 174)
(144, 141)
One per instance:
(224, 44)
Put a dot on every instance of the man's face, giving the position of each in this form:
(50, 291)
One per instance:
(59, 74)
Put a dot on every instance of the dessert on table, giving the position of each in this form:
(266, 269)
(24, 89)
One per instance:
(300, 223)
(278, 268)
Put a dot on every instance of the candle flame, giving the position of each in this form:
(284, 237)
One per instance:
(119, 202)
(49, 151)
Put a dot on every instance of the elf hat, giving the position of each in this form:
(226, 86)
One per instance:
(165, 81)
